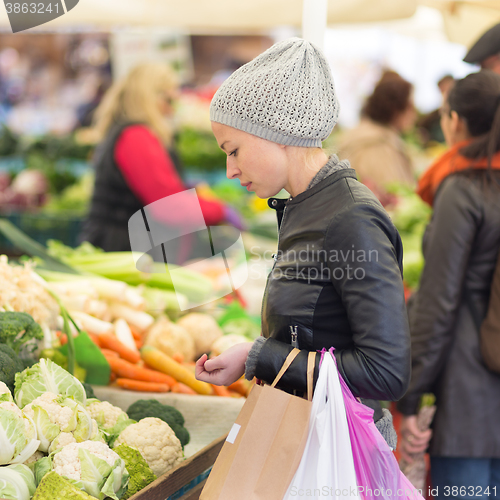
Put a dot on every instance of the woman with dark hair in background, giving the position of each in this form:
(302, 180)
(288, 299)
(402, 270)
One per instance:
(374, 148)
(461, 246)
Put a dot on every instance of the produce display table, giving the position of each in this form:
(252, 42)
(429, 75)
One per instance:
(206, 417)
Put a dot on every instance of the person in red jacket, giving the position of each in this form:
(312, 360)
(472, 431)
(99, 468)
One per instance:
(135, 165)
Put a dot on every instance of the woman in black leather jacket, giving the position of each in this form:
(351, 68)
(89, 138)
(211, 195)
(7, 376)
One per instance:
(461, 247)
(336, 279)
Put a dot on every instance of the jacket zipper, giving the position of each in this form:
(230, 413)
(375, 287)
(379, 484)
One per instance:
(294, 334)
(275, 257)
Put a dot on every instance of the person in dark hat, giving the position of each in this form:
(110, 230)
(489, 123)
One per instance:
(486, 51)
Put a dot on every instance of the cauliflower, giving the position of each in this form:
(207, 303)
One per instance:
(67, 462)
(34, 458)
(63, 416)
(61, 441)
(204, 330)
(225, 342)
(104, 413)
(171, 338)
(110, 419)
(53, 414)
(156, 442)
(91, 466)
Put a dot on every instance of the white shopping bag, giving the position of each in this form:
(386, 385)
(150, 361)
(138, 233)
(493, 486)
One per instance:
(327, 467)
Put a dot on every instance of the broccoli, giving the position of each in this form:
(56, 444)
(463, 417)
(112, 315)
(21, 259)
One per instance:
(152, 408)
(17, 329)
(140, 472)
(10, 364)
(181, 433)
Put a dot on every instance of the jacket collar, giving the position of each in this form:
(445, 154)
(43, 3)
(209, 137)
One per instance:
(278, 204)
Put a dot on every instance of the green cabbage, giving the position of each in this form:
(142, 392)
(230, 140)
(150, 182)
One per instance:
(16, 482)
(43, 377)
(17, 435)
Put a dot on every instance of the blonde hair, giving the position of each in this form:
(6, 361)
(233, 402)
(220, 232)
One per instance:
(135, 99)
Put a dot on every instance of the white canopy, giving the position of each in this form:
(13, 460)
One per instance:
(220, 16)
(466, 20)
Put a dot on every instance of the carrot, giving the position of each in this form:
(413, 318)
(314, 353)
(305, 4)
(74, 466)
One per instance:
(235, 394)
(109, 353)
(220, 390)
(112, 377)
(140, 385)
(240, 386)
(63, 339)
(138, 343)
(168, 379)
(135, 332)
(94, 338)
(178, 357)
(164, 363)
(181, 388)
(109, 341)
(125, 369)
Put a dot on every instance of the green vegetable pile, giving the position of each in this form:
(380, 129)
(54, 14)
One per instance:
(410, 215)
(54, 442)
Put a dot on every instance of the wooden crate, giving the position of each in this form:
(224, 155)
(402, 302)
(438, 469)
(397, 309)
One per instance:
(179, 478)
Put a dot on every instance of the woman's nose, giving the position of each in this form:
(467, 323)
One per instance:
(231, 171)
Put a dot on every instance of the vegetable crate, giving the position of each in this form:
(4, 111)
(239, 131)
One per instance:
(43, 227)
(185, 481)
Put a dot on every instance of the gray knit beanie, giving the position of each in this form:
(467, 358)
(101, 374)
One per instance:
(285, 95)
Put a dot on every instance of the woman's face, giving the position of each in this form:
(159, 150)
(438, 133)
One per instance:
(166, 102)
(260, 165)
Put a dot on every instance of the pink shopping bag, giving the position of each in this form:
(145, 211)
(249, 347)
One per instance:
(377, 470)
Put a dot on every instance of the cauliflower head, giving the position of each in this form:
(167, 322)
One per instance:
(53, 414)
(67, 461)
(156, 442)
(105, 414)
(204, 330)
(34, 458)
(171, 339)
(63, 416)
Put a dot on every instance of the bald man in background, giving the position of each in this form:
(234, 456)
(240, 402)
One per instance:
(486, 51)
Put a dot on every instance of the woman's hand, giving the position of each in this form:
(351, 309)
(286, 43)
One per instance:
(413, 440)
(226, 368)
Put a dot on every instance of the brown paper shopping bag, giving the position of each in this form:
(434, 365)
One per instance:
(264, 447)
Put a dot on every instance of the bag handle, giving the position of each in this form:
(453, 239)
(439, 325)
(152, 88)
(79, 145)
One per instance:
(311, 359)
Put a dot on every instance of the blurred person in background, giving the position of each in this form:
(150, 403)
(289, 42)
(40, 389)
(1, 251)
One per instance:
(429, 125)
(461, 246)
(135, 164)
(486, 51)
(375, 148)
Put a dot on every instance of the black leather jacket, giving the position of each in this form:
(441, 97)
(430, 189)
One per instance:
(337, 282)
